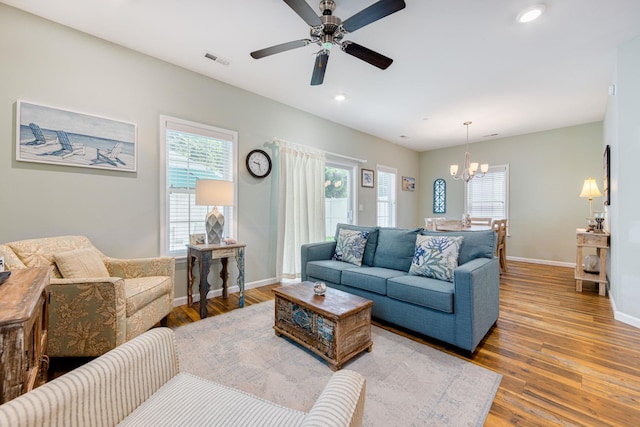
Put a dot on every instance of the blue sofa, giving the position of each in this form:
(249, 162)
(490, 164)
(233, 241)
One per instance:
(460, 313)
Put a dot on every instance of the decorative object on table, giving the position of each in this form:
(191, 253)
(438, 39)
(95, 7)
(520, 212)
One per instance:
(198, 239)
(258, 163)
(599, 219)
(466, 220)
(366, 178)
(229, 241)
(606, 164)
(590, 190)
(439, 196)
(408, 183)
(4, 275)
(591, 264)
(319, 288)
(62, 137)
(214, 192)
(470, 169)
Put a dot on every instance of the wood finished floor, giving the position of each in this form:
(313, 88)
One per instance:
(564, 359)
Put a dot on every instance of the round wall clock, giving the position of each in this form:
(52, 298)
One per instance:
(258, 163)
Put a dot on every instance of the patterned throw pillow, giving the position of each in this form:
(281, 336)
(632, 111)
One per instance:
(436, 256)
(350, 246)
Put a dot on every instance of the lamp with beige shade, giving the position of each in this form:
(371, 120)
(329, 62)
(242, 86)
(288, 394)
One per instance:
(214, 192)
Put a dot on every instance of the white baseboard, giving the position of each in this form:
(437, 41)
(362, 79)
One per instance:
(543, 261)
(218, 292)
(622, 317)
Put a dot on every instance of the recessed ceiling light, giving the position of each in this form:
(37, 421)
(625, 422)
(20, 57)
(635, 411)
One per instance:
(340, 97)
(531, 13)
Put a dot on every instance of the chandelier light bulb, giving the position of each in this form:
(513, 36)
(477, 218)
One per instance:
(469, 168)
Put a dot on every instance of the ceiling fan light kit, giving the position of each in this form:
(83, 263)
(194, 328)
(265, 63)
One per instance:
(328, 30)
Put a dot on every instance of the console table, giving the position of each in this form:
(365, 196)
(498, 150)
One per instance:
(205, 254)
(599, 241)
(24, 315)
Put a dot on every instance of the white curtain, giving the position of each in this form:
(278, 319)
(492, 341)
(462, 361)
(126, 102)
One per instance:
(300, 204)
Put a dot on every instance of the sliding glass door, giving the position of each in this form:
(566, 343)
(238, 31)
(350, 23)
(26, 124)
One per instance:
(339, 190)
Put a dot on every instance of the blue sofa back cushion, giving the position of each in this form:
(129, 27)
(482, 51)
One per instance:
(476, 244)
(396, 247)
(372, 240)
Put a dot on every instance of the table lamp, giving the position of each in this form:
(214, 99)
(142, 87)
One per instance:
(590, 190)
(214, 192)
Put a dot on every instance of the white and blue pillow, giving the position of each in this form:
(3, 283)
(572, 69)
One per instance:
(350, 246)
(436, 256)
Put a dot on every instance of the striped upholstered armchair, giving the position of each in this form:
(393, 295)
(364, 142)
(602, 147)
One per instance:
(139, 384)
(97, 302)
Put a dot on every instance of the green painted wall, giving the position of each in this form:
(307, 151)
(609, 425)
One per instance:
(546, 173)
(50, 64)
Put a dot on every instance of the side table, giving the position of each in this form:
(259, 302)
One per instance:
(599, 241)
(205, 254)
(24, 317)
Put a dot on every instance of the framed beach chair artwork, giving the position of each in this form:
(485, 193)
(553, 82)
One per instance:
(62, 137)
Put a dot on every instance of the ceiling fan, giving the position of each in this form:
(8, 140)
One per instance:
(328, 30)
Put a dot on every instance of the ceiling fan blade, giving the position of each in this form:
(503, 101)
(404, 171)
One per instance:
(279, 48)
(374, 58)
(319, 68)
(305, 12)
(373, 13)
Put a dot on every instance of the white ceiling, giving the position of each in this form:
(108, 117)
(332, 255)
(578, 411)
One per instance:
(454, 60)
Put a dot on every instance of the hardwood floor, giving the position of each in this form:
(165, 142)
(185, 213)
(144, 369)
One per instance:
(564, 359)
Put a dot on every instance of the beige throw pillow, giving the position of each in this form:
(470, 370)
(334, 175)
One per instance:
(80, 263)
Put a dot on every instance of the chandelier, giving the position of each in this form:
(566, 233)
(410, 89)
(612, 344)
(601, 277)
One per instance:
(470, 169)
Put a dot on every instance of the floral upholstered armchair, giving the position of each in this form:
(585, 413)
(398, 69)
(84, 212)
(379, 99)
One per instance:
(97, 302)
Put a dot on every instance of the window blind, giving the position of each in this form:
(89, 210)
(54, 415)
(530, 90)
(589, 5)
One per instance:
(386, 197)
(487, 197)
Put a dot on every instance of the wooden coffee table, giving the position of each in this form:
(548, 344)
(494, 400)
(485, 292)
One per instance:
(336, 326)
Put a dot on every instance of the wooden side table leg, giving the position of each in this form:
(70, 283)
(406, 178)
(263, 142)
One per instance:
(190, 277)
(205, 265)
(240, 261)
(224, 275)
(578, 285)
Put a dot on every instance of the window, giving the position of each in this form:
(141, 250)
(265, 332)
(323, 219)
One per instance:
(386, 196)
(488, 197)
(192, 151)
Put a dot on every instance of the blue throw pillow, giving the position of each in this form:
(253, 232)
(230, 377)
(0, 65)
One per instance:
(436, 257)
(350, 246)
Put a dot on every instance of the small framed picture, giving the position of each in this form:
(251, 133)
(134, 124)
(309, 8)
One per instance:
(408, 183)
(367, 178)
(197, 239)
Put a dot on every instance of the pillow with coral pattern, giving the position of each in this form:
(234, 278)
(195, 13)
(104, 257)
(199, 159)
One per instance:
(350, 246)
(436, 256)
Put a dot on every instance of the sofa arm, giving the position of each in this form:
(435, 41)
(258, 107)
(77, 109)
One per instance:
(341, 403)
(476, 300)
(315, 252)
(87, 317)
(141, 267)
(102, 392)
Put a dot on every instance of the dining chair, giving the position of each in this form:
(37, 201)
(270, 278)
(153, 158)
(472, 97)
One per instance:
(500, 227)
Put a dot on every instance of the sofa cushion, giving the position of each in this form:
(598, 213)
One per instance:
(476, 244)
(431, 293)
(350, 246)
(11, 260)
(372, 279)
(436, 256)
(80, 263)
(372, 240)
(396, 247)
(173, 404)
(141, 291)
(329, 270)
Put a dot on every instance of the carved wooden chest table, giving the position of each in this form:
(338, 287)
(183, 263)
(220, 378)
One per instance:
(336, 326)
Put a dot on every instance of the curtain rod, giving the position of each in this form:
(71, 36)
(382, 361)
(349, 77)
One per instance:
(342, 156)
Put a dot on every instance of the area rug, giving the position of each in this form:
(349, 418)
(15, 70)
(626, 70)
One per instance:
(408, 383)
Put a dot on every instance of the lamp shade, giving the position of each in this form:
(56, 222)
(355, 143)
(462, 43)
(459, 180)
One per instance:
(214, 192)
(590, 189)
